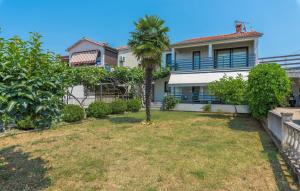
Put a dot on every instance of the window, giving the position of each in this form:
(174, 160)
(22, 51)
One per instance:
(196, 60)
(231, 58)
(167, 88)
(98, 59)
(168, 59)
(89, 91)
(239, 57)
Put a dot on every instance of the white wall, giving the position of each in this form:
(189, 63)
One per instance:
(130, 60)
(187, 52)
(159, 89)
(214, 108)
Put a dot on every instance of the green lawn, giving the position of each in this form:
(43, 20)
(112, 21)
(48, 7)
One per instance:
(180, 151)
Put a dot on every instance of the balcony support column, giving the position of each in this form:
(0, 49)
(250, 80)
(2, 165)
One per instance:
(256, 51)
(173, 58)
(210, 51)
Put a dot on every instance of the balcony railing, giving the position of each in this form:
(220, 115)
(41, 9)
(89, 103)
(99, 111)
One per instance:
(197, 98)
(209, 63)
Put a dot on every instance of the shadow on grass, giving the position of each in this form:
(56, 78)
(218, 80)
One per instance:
(283, 178)
(18, 171)
(120, 120)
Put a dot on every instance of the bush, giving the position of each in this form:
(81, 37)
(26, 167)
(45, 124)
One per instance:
(26, 123)
(72, 113)
(207, 108)
(118, 106)
(268, 87)
(169, 102)
(134, 105)
(98, 109)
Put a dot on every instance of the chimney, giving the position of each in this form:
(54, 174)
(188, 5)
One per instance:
(238, 27)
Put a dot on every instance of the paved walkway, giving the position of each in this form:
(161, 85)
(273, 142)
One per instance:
(294, 110)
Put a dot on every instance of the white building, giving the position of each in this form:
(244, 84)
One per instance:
(194, 63)
(197, 62)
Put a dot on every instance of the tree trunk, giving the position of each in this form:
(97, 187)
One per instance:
(235, 109)
(148, 77)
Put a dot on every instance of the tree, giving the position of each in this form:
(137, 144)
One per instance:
(86, 76)
(268, 88)
(32, 82)
(148, 42)
(230, 90)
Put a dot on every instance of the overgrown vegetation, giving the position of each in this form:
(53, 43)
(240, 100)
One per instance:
(268, 87)
(230, 90)
(32, 83)
(72, 113)
(169, 102)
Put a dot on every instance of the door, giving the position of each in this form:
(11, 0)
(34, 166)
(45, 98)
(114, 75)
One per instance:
(152, 93)
(196, 60)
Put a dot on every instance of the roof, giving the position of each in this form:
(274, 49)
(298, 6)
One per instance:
(64, 58)
(86, 57)
(202, 78)
(221, 37)
(122, 48)
(89, 40)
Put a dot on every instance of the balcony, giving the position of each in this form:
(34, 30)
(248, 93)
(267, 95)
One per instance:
(209, 63)
(197, 98)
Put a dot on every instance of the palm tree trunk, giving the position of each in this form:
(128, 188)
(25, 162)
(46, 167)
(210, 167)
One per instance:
(148, 77)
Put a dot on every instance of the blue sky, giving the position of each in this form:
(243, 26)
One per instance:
(63, 22)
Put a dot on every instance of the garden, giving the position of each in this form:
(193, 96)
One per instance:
(178, 151)
(115, 146)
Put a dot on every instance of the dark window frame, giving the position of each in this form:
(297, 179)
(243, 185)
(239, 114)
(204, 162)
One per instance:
(166, 87)
(168, 59)
(230, 55)
(193, 64)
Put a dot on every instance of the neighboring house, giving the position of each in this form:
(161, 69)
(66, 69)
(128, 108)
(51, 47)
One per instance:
(126, 58)
(197, 62)
(89, 52)
(86, 52)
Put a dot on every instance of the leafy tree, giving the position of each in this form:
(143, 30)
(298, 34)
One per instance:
(147, 42)
(32, 82)
(86, 76)
(161, 73)
(230, 90)
(268, 88)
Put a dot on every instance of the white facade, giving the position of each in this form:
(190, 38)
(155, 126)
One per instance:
(127, 59)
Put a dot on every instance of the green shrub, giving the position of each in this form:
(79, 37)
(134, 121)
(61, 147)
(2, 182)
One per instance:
(268, 87)
(118, 106)
(98, 109)
(207, 108)
(26, 123)
(169, 102)
(134, 105)
(72, 113)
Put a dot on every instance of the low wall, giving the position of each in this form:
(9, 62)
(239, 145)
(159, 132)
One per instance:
(214, 108)
(285, 134)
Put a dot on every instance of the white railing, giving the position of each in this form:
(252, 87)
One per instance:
(286, 135)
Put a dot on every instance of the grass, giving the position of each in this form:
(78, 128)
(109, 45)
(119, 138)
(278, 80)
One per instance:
(180, 151)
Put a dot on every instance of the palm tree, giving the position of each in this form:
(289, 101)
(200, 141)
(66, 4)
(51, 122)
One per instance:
(148, 42)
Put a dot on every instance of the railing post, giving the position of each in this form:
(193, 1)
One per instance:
(285, 117)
